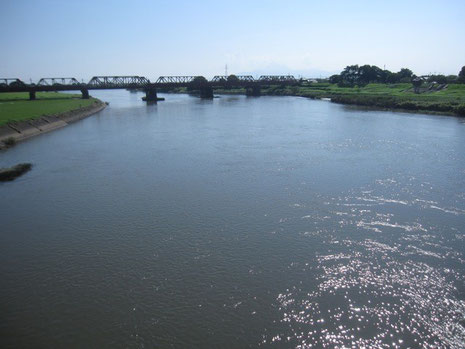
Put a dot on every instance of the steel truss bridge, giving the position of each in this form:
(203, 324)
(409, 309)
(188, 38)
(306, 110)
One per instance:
(139, 82)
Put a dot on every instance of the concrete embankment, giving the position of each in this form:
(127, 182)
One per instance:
(20, 130)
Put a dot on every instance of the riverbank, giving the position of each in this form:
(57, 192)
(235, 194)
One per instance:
(447, 100)
(29, 120)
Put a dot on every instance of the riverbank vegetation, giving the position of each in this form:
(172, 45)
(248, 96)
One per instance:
(372, 86)
(448, 99)
(18, 107)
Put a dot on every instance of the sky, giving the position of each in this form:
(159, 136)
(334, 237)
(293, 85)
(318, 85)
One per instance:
(85, 38)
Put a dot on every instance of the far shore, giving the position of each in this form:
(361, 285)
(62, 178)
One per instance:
(450, 100)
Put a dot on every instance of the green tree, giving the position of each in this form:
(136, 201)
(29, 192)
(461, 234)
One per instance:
(199, 80)
(389, 77)
(461, 77)
(440, 79)
(405, 73)
(334, 79)
(233, 78)
(369, 73)
(349, 76)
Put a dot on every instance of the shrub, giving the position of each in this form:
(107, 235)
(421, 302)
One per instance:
(460, 109)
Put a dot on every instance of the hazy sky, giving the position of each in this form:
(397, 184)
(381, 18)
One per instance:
(42, 38)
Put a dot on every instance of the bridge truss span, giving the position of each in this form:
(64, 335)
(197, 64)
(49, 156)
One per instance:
(232, 78)
(5, 82)
(177, 79)
(277, 78)
(103, 82)
(58, 81)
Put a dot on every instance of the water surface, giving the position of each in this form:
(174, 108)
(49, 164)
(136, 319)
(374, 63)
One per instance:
(274, 222)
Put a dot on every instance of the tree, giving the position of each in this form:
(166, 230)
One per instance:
(440, 79)
(197, 82)
(369, 73)
(389, 77)
(405, 73)
(361, 75)
(365, 74)
(461, 78)
(334, 79)
(349, 76)
(17, 83)
(233, 78)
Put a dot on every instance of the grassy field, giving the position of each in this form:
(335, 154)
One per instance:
(18, 107)
(453, 93)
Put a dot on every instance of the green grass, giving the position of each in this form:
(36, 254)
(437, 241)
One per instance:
(452, 92)
(18, 107)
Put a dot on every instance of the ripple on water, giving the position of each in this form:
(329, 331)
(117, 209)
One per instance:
(369, 297)
(388, 287)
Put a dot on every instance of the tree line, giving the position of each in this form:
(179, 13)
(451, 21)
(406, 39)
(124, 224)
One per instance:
(354, 75)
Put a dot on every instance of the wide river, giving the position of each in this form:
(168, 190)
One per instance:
(274, 222)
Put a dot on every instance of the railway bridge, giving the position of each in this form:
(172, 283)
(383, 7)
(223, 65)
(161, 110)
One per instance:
(199, 83)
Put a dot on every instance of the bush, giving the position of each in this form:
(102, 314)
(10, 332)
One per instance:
(460, 109)
(335, 79)
(407, 105)
(345, 83)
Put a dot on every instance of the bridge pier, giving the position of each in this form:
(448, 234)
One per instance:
(85, 94)
(32, 95)
(151, 95)
(253, 91)
(206, 92)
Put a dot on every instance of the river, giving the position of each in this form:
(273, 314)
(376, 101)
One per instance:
(274, 222)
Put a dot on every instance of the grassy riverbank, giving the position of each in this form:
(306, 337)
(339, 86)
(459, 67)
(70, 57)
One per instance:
(449, 100)
(18, 107)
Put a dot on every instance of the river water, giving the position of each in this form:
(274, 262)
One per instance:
(274, 222)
